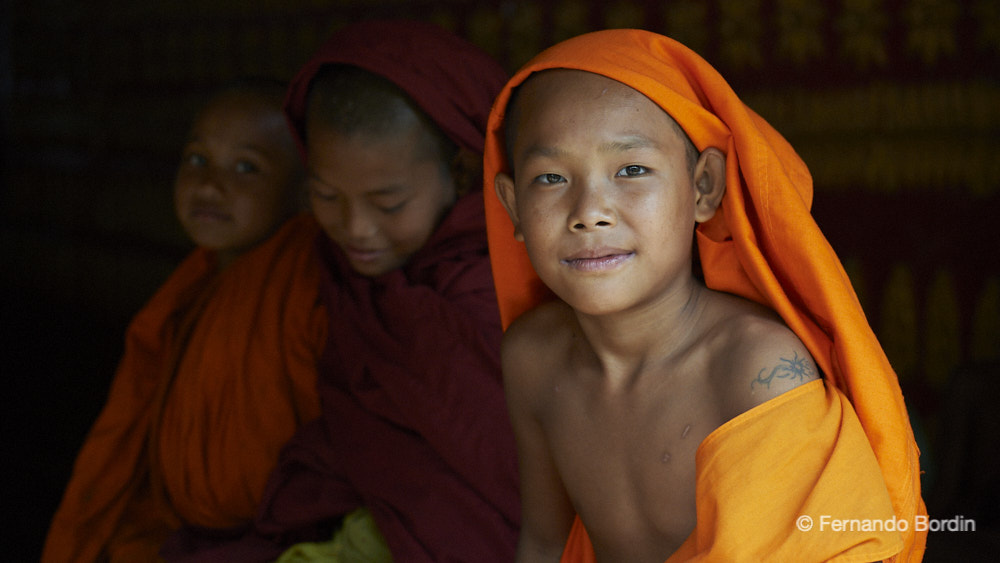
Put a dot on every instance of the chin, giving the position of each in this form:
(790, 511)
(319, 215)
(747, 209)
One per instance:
(210, 243)
(371, 270)
(598, 310)
(594, 303)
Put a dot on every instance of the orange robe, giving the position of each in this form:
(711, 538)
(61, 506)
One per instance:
(802, 454)
(219, 371)
(764, 245)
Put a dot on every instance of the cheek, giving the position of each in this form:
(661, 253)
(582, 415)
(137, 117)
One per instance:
(182, 200)
(182, 188)
(257, 214)
(409, 231)
(541, 219)
(672, 214)
(326, 213)
(533, 227)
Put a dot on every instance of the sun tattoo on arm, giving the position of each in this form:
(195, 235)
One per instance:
(795, 367)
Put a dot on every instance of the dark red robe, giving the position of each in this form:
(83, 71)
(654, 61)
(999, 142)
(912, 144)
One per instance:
(414, 424)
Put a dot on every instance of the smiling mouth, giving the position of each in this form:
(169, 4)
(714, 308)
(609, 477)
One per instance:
(362, 254)
(598, 260)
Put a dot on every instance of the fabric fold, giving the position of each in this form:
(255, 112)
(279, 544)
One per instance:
(803, 464)
(218, 372)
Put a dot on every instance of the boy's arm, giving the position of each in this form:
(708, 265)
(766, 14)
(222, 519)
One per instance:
(546, 511)
(770, 361)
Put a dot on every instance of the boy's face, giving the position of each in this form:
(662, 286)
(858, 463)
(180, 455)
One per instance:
(378, 198)
(238, 175)
(604, 195)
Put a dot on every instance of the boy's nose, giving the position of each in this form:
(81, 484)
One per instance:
(358, 224)
(209, 183)
(592, 209)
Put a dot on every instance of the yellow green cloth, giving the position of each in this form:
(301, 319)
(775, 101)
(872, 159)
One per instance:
(357, 541)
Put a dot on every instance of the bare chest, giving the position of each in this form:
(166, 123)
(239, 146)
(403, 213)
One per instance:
(628, 462)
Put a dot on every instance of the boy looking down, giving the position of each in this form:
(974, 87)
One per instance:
(414, 428)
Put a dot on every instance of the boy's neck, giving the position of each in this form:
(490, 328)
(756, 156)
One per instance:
(626, 341)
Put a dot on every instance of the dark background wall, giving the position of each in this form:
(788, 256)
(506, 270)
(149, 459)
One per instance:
(894, 104)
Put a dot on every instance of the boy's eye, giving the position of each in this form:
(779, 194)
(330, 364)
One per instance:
(322, 196)
(389, 210)
(632, 170)
(549, 179)
(195, 159)
(246, 167)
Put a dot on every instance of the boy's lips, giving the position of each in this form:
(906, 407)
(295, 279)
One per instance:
(356, 254)
(598, 259)
(209, 214)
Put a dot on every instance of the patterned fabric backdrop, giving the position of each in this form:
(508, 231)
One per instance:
(892, 103)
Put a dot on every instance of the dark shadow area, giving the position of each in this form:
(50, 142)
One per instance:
(57, 358)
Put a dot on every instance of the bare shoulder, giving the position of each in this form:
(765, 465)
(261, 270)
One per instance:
(533, 345)
(541, 329)
(765, 359)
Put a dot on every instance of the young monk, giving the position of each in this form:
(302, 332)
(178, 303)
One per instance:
(413, 454)
(660, 415)
(219, 367)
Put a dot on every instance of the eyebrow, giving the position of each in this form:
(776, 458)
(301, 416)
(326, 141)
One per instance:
(628, 143)
(623, 144)
(542, 151)
(391, 189)
(256, 148)
(259, 149)
(387, 190)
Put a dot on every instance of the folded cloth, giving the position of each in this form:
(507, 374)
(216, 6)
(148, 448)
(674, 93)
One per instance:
(793, 479)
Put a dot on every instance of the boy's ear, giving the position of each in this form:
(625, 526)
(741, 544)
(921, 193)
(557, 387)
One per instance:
(504, 186)
(709, 183)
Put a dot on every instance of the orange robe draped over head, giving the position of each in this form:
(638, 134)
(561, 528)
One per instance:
(763, 245)
(219, 371)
